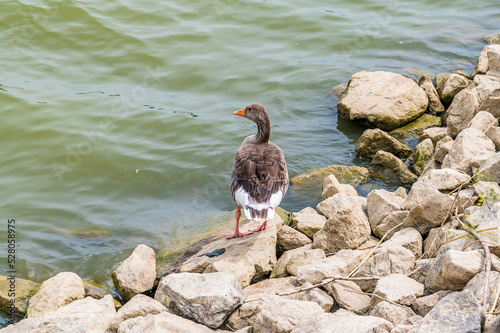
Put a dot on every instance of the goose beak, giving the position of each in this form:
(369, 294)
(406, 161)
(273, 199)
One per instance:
(240, 112)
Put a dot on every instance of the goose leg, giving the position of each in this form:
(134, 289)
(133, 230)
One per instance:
(263, 226)
(237, 232)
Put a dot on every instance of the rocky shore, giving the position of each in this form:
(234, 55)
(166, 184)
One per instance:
(422, 258)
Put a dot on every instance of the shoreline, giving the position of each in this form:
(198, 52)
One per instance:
(338, 240)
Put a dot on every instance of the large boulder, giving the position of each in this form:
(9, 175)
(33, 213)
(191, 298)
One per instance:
(461, 111)
(347, 229)
(343, 321)
(382, 99)
(387, 166)
(489, 59)
(452, 270)
(373, 140)
(457, 312)
(339, 202)
(435, 105)
(55, 293)
(450, 87)
(206, 298)
(137, 273)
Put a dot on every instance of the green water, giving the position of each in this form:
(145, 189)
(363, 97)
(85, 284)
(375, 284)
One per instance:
(116, 116)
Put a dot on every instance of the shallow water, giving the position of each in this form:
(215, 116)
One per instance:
(117, 117)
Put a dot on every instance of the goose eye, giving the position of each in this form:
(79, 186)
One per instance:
(249, 109)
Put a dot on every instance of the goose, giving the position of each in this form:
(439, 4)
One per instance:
(259, 178)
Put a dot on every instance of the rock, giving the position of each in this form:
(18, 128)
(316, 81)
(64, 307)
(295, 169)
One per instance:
(92, 290)
(288, 263)
(431, 212)
(340, 264)
(387, 166)
(442, 148)
(435, 105)
(162, 322)
(423, 154)
(452, 86)
(242, 268)
(439, 241)
(84, 315)
(416, 128)
(457, 312)
(23, 289)
(493, 38)
(309, 222)
(206, 298)
(492, 326)
(424, 304)
(382, 99)
(436, 134)
(288, 285)
(137, 273)
(347, 229)
(56, 292)
(384, 262)
(339, 202)
(476, 287)
(244, 315)
(278, 315)
(349, 296)
(491, 103)
(332, 186)
(353, 175)
(239, 255)
(490, 169)
(391, 224)
(390, 312)
(409, 238)
(397, 288)
(381, 203)
(343, 321)
(441, 79)
(483, 121)
(289, 239)
(486, 217)
(494, 135)
(446, 179)
(452, 270)
(461, 112)
(373, 140)
(139, 306)
(338, 90)
(489, 59)
(418, 192)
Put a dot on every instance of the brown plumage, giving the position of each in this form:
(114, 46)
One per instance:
(259, 179)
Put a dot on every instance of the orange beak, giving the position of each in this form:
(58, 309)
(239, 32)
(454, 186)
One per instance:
(240, 112)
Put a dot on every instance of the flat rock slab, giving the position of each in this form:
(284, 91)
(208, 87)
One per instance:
(206, 298)
(382, 99)
(249, 257)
